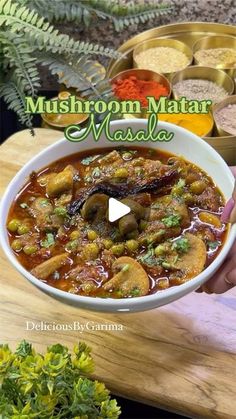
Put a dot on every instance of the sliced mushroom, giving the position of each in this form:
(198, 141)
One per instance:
(41, 208)
(193, 261)
(135, 207)
(121, 190)
(131, 279)
(127, 224)
(43, 270)
(60, 182)
(166, 205)
(95, 207)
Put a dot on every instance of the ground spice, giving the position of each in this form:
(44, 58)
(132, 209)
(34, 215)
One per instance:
(226, 118)
(217, 57)
(132, 88)
(162, 59)
(199, 124)
(199, 89)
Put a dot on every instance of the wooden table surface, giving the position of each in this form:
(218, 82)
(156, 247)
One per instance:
(181, 357)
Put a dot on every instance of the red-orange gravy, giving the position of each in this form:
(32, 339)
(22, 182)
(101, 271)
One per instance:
(183, 205)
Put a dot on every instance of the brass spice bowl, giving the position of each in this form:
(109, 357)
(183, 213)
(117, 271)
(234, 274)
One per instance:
(142, 74)
(170, 43)
(212, 42)
(221, 131)
(204, 73)
(61, 121)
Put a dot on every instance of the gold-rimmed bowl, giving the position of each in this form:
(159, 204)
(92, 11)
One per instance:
(168, 43)
(146, 75)
(230, 100)
(214, 75)
(61, 121)
(191, 122)
(215, 42)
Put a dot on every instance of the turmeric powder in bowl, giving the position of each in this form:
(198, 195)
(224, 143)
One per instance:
(199, 124)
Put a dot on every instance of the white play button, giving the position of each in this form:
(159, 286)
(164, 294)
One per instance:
(116, 210)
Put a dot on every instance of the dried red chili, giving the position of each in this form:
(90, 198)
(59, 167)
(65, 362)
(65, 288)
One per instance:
(135, 89)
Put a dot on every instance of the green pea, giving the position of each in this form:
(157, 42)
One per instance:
(60, 211)
(71, 246)
(74, 235)
(91, 251)
(118, 249)
(13, 225)
(107, 243)
(92, 235)
(132, 245)
(188, 198)
(160, 250)
(122, 173)
(16, 245)
(198, 187)
(29, 249)
(23, 229)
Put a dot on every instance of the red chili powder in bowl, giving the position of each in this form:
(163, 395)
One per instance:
(132, 88)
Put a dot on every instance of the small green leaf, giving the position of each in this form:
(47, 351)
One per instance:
(49, 241)
(172, 220)
(182, 245)
(24, 205)
(87, 160)
(213, 244)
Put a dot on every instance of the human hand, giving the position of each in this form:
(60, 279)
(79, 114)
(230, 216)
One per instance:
(225, 278)
(229, 213)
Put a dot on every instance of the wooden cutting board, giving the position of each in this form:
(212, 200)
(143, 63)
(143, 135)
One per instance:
(181, 357)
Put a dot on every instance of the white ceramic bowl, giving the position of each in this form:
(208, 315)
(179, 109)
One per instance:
(185, 144)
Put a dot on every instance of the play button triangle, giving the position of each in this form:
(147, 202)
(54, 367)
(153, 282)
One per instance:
(116, 210)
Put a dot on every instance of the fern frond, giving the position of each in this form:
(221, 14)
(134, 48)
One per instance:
(12, 93)
(125, 14)
(44, 35)
(80, 74)
(122, 15)
(18, 55)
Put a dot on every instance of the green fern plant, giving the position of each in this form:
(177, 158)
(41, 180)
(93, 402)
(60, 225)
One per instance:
(84, 11)
(28, 40)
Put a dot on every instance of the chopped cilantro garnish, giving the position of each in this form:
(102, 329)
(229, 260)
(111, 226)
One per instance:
(125, 267)
(166, 265)
(176, 259)
(49, 241)
(172, 221)
(150, 259)
(139, 171)
(96, 172)
(181, 183)
(60, 211)
(23, 205)
(135, 292)
(87, 160)
(181, 245)
(43, 202)
(213, 245)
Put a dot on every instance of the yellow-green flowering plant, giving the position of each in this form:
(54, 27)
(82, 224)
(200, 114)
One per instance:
(53, 385)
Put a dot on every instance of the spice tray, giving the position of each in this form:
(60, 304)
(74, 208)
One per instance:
(189, 33)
